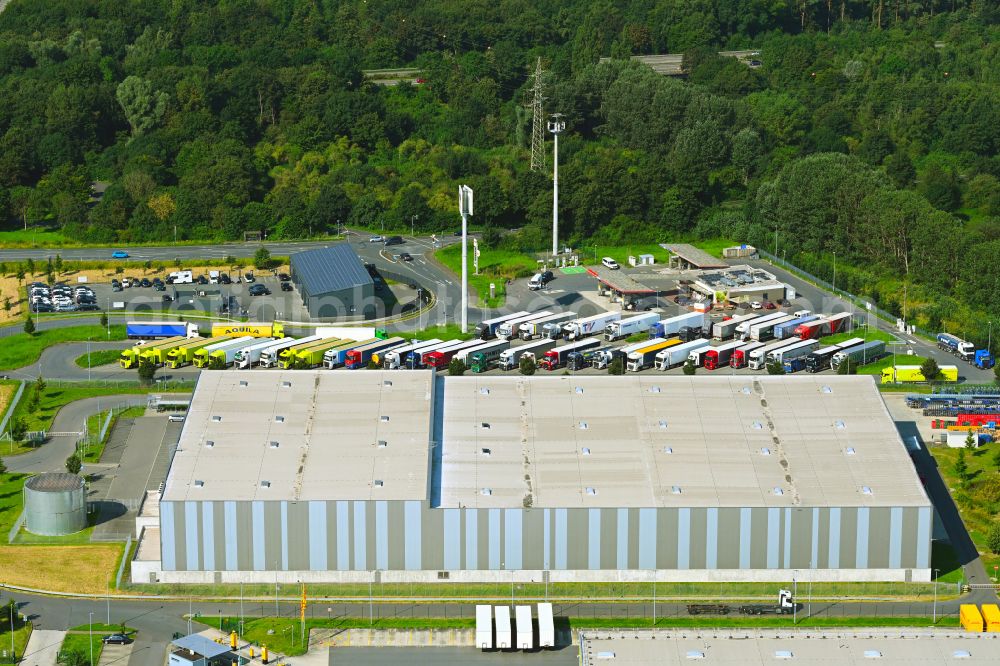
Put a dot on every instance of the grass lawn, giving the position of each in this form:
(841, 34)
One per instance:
(10, 500)
(74, 568)
(93, 451)
(82, 644)
(860, 332)
(32, 238)
(975, 501)
(98, 357)
(103, 628)
(495, 266)
(443, 332)
(55, 397)
(22, 630)
(23, 349)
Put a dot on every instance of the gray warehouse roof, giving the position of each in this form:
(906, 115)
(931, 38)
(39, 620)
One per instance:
(327, 269)
(304, 435)
(742, 648)
(672, 441)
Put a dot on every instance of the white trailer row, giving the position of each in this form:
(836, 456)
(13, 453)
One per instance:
(494, 630)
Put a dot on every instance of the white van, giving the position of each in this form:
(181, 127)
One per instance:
(181, 277)
(213, 277)
(610, 263)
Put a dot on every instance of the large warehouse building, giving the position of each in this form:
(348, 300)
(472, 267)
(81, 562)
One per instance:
(345, 476)
(333, 282)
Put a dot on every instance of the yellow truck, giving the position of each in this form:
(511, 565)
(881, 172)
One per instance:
(253, 329)
(224, 343)
(970, 618)
(991, 617)
(912, 373)
(311, 355)
(180, 356)
(287, 356)
(130, 357)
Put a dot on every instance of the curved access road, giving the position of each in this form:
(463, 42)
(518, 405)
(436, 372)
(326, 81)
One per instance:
(67, 428)
(59, 362)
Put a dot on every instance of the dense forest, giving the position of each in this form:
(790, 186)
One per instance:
(867, 129)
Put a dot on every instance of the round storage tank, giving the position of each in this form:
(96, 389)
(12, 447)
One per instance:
(55, 504)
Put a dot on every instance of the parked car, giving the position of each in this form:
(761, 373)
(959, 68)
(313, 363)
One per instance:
(376, 239)
(248, 277)
(259, 290)
(116, 639)
(539, 280)
(768, 305)
(201, 279)
(144, 282)
(88, 307)
(756, 305)
(405, 256)
(610, 263)
(287, 286)
(119, 254)
(284, 277)
(393, 240)
(225, 279)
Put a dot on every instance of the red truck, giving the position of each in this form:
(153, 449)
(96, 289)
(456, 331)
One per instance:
(441, 359)
(556, 357)
(741, 355)
(716, 357)
(825, 326)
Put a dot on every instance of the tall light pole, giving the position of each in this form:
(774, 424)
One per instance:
(989, 339)
(90, 635)
(413, 219)
(556, 126)
(465, 208)
(834, 272)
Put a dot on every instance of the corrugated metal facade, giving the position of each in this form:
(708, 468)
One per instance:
(387, 535)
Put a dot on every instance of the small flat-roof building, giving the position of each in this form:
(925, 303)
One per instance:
(333, 282)
(619, 286)
(330, 476)
(740, 284)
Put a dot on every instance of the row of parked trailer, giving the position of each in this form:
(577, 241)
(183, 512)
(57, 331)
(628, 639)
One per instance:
(494, 630)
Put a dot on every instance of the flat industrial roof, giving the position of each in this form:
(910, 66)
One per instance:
(619, 281)
(694, 256)
(327, 426)
(759, 647)
(593, 441)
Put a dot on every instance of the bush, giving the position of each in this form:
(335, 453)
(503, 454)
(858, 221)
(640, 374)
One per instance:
(848, 367)
(29, 326)
(775, 368)
(147, 370)
(74, 464)
(689, 368)
(457, 367)
(993, 538)
(17, 429)
(527, 365)
(617, 366)
(262, 259)
(930, 370)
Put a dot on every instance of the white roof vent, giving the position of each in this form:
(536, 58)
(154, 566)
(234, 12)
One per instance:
(746, 390)
(486, 452)
(198, 483)
(961, 654)
(757, 425)
(668, 450)
(827, 389)
(654, 389)
(209, 443)
(591, 491)
(384, 418)
(849, 451)
(695, 654)
(583, 425)
(873, 654)
(485, 390)
(387, 383)
(382, 444)
(265, 484)
(777, 491)
(579, 389)
(486, 492)
(840, 425)
(663, 424)
(866, 490)
(585, 450)
(274, 444)
(605, 654)
(676, 490)
(216, 419)
(379, 483)
(764, 451)
(783, 654)
(244, 382)
(279, 419)
(286, 384)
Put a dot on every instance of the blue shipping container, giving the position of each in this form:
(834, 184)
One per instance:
(154, 329)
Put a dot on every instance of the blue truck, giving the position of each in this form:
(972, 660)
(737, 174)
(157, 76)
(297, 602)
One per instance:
(787, 330)
(151, 330)
(981, 358)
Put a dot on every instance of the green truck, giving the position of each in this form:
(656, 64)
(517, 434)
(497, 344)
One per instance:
(158, 355)
(130, 357)
(183, 355)
(311, 355)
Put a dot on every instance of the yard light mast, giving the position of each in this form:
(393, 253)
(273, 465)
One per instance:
(557, 125)
(465, 208)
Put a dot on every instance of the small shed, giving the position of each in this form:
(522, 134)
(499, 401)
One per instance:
(195, 650)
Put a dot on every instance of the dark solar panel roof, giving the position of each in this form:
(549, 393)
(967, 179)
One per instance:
(329, 269)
